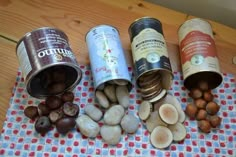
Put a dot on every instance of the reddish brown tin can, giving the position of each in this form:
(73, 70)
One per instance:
(47, 62)
(198, 54)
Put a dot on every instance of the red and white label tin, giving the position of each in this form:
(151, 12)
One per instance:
(198, 54)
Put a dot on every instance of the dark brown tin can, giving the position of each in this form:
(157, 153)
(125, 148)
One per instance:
(150, 56)
(198, 54)
(47, 62)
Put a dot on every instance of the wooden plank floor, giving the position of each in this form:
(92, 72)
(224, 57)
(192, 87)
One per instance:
(76, 17)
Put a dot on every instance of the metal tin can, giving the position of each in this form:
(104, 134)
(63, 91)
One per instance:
(106, 55)
(47, 62)
(150, 57)
(198, 54)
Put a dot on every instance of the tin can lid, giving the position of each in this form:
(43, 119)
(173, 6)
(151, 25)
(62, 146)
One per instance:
(142, 23)
(99, 26)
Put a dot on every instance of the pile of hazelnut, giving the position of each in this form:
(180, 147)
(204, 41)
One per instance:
(56, 111)
(204, 109)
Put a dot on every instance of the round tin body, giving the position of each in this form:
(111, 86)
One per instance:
(198, 54)
(47, 62)
(106, 55)
(149, 51)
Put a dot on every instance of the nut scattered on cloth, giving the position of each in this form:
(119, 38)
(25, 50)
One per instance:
(19, 138)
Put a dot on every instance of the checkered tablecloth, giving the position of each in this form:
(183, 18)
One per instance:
(18, 137)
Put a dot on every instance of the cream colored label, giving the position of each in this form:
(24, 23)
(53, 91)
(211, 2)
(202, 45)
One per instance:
(194, 25)
(199, 63)
(149, 44)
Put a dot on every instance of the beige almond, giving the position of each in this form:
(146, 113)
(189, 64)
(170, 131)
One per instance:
(114, 115)
(122, 95)
(102, 99)
(110, 92)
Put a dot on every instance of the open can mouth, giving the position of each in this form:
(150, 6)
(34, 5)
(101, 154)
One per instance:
(47, 62)
(212, 78)
(54, 80)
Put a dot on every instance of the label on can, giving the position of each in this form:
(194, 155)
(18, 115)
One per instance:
(43, 47)
(198, 53)
(106, 55)
(149, 51)
(23, 59)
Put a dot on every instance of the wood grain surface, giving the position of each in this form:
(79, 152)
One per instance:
(77, 17)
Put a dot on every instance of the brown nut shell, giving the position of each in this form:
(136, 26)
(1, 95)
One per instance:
(191, 110)
(212, 108)
(43, 109)
(204, 126)
(70, 109)
(53, 102)
(67, 96)
(31, 112)
(56, 87)
(66, 124)
(42, 125)
(203, 86)
(208, 96)
(196, 93)
(200, 103)
(215, 120)
(55, 115)
(201, 115)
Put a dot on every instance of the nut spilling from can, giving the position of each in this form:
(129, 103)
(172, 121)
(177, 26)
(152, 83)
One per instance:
(152, 66)
(107, 59)
(198, 54)
(47, 62)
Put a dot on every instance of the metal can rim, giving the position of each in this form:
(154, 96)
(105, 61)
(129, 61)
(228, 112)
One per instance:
(219, 75)
(141, 18)
(37, 29)
(76, 67)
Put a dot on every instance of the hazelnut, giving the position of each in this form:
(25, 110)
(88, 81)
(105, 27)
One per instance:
(67, 97)
(191, 110)
(204, 126)
(31, 112)
(215, 121)
(200, 103)
(203, 85)
(201, 115)
(208, 96)
(212, 108)
(53, 102)
(196, 93)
